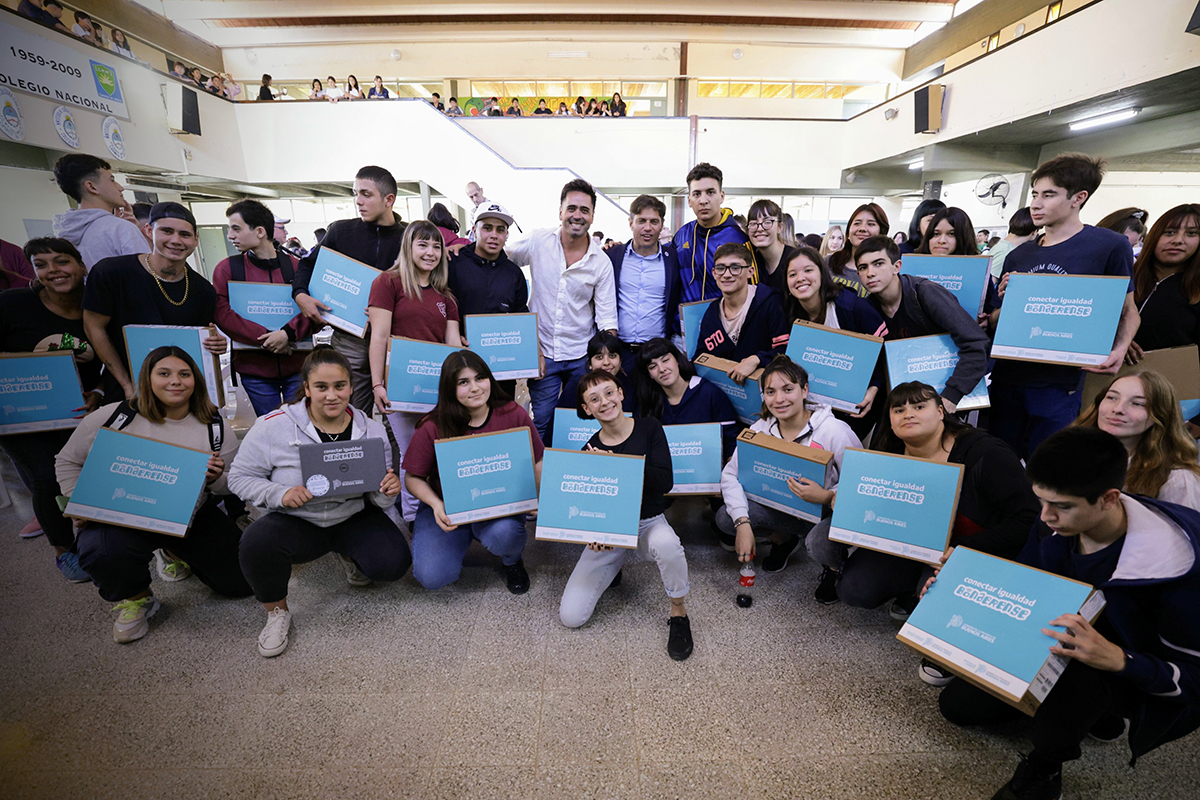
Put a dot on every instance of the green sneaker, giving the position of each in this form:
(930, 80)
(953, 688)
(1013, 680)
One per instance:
(171, 568)
(134, 620)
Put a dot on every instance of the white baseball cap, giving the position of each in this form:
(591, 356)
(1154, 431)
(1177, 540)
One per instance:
(494, 211)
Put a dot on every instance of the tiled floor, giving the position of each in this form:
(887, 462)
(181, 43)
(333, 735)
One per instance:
(392, 691)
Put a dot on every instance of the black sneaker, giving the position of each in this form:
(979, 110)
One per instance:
(1032, 781)
(901, 607)
(517, 577)
(777, 559)
(616, 581)
(1109, 728)
(826, 593)
(679, 641)
(934, 674)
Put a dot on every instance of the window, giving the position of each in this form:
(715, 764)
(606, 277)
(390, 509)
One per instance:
(553, 89)
(1053, 12)
(741, 89)
(993, 42)
(808, 91)
(712, 89)
(655, 89)
(777, 90)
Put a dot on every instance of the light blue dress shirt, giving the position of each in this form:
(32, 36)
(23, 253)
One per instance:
(641, 297)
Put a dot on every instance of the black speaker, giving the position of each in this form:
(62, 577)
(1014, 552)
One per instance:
(1194, 24)
(191, 112)
(927, 109)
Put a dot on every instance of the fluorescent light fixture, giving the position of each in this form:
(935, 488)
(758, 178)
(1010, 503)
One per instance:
(919, 164)
(1105, 119)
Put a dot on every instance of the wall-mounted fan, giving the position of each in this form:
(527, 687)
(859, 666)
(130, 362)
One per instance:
(992, 190)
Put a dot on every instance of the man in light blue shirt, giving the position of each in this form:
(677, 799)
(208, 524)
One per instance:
(647, 278)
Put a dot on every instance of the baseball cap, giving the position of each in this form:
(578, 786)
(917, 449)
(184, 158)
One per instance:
(494, 211)
(170, 210)
(282, 221)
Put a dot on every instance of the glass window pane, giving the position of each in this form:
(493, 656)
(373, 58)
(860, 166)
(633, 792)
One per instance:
(808, 91)
(712, 89)
(737, 89)
(834, 91)
(611, 87)
(653, 89)
(873, 91)
(553, 89)
(487, 88)
(519, 89)
(425, 90)
(588, 89)
(777, 90)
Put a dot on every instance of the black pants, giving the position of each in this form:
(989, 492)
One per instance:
(273, 543)
(870, 579)
(33, 456)
(118, 558)
(1081, 697)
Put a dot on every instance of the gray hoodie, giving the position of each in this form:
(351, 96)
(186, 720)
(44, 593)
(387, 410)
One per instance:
(99, 235)
(268, 464)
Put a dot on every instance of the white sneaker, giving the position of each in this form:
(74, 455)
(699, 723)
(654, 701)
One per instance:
(354, 575)
(274, 637)
(169, 568)
(133, 621)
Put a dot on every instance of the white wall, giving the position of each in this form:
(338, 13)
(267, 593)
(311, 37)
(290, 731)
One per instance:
(796, 62)
(1154, 191)
(27, 195)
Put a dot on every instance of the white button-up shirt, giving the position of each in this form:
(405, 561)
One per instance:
(573, 302)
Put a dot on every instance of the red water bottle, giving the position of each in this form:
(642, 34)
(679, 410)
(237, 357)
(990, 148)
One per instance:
(745, 597)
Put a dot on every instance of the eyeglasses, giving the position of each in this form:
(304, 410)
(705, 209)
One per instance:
(762, 223)
(732, 269)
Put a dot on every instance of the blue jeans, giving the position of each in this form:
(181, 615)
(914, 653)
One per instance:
(267, 394)
(1025, 416)
(544, 392)
(438, 555)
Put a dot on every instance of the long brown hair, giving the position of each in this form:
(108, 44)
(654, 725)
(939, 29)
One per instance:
(1144, 278)
(449, 416)
(1165, 446)
(840, 258)
(147, 403)
(406, 268)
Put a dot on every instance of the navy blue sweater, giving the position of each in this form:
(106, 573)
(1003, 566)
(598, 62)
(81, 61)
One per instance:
(764, 333)
(705, 402)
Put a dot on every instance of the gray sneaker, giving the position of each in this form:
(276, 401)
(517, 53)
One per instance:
(354, 575)
(133, 621)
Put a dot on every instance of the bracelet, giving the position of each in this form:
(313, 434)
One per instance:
(376, 386)
(741, 521)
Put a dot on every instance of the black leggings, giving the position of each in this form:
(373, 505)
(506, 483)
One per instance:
(118, 558)
(1080, 698)
(273, 543)
(33, 456)
(870, 578)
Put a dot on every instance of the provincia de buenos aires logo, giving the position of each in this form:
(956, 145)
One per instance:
(12, 124)
(114, 140)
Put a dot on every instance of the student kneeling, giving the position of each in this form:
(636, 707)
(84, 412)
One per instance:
(599, 565)
(1141, 659)
(298, 528)
(171, 406)
(470, 401)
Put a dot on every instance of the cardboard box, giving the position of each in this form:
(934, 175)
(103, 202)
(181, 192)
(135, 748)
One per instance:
(839, 363)
(344, 285)
(982, 620)
(590, 497)
(1060, 319)
(765, 462)
(696, 452)
(931, 360)
(690, 317)
(1179, 365)
(508, 343)
(141, 340)
(746, 399)
(487, 475)
(965, 277)
(412, 373)
(39, 392)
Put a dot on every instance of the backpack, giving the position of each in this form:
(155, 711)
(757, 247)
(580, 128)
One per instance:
(124, 414)
(237, 267)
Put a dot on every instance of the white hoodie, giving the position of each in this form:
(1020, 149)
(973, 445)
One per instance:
(268, 464)
(99, 235)
(824, 432)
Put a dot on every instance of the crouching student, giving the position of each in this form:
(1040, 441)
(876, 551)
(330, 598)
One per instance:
(1140, 661)
(171, 406)
(996, 508)
(1141, 411)
(787, 415)
(470, 401)
(298, 528)
(747, 324)
(599, 565)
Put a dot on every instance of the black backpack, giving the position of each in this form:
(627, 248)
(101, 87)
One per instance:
(237, 267)
(124, 414)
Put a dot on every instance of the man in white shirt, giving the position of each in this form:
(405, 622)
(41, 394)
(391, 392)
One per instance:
(574, 295)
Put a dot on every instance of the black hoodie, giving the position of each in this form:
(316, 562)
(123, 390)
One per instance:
(997, 506)
(374, 245)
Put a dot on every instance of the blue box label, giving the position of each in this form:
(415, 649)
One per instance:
(508, 343)
(695, 457)
(898, 505)
(413, 371)
(746, 399)
(965, 277)
(1061, 319)
(984, 615)
(140, 340)
(690, 317)
(590, 497)
(763, 472)
(139, 483)
(930, 360)
(344, 285)
(487, 476)
(39, 392)
(839, 364)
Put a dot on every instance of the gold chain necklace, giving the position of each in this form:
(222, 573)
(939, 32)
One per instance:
(163, 289)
